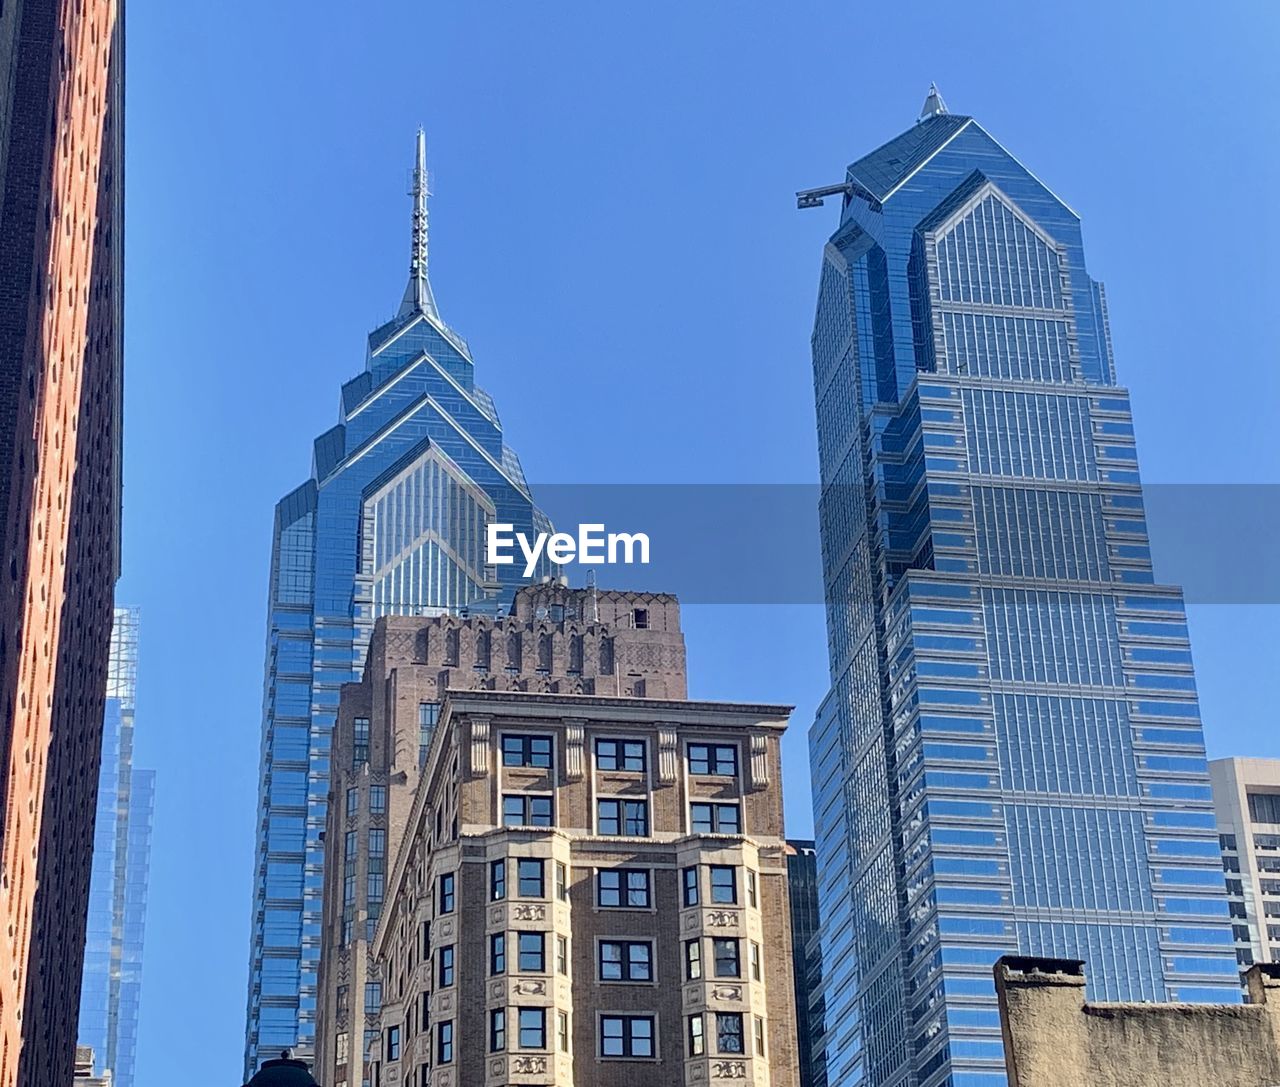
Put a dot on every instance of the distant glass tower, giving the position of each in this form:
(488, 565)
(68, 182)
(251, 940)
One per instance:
(391, 522)
(118, 882)
(1010, 758)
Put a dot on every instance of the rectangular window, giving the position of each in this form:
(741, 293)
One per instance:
(626, 960)
(562, 955)
(444, 1043)
(343, 998)
(360, 746)
(353, 802)
(729, 1032)
(340, 1047)
(726, 957)
(623, 817)
(498, 953)
(719, 759)
(759, 1031)
(562, 1031)
(446, 966)
(623, 888)
(532, 952)
(753, 893)
(533, 1028)
(497, 880)
(626, 1036)
(697, 1044)
(689, 886)
(447, 893)
(1264, 807)
(562, 881)
(693, 959)
(715, 819)
(756, 973)
(372, 997)
(428, 714)
(724, 885)
(393, 1043)
(377, 800)
(529, 877)
(497, 1030)
(523, 810)
(620, 755)
(532, 751)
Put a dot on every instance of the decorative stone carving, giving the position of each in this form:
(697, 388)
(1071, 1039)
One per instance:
(690, 922)
(723, 918)
(729, 1070)
(478, 757)
(525, 911)
(528, 1066)
(727, 992)
(495, 1068)
(497, 990)
(574, 755)
(495, 915)
(759, 761)
(668, 756)
(532, 987)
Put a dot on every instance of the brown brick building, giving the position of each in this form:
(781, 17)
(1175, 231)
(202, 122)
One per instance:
(586, 884)
(61, 222)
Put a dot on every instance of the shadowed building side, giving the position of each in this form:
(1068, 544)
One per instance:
(61, 317)
(1053, 1037)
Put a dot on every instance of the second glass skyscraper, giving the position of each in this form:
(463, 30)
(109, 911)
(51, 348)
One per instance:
(1010, 758)
(392, 521)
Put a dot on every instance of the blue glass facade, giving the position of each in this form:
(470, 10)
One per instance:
(391, 521)
(1010, 758)
(112, 976)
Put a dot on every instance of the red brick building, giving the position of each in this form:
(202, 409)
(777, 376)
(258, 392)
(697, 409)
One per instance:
(61, 252)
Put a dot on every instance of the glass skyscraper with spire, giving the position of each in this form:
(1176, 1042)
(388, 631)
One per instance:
(391, 522)
(1010, 759)
(112, 980)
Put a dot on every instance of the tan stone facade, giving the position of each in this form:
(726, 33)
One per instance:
(556, 640)
(1053, 1038)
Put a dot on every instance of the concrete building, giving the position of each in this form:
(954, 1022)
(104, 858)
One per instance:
(84, 1073)
(1246, 800)
(556, 640)
(1054, 1038)
(806, 957)
(591, 886)
(61, 253)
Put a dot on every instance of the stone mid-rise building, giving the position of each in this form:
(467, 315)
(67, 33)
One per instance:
(61, 293)
(1053, 1037)
(1246, 800)
(555, 640)
(588, 884)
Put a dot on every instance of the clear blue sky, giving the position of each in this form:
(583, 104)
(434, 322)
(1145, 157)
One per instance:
(614, 231)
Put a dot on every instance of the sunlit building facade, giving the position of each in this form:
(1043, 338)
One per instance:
(1246, 797)
(391, 522)
(1010, 759)
(112, 984)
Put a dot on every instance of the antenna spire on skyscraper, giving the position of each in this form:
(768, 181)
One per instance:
(933, 104)
(417, 295)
